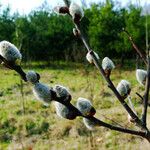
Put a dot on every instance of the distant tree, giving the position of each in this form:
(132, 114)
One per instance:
(135, 26)
(7, 25)
(104, 27)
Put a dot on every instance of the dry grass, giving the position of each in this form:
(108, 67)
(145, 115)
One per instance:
(40, 129)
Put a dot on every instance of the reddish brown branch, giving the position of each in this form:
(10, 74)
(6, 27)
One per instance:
(138, 51)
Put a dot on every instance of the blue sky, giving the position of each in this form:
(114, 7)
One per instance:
(25, 6)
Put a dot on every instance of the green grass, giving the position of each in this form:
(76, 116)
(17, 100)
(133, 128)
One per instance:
(41, 129)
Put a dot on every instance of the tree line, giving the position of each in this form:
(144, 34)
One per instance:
(44, 35)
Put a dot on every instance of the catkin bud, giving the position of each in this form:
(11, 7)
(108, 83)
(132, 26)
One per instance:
(127, 85)
(63, 112)
(89, 124)
(107, 65)
(141, 76)
(61, 10)
(85, 107)
(62, 92)
(124, 88)
(43, 93)
(89, 57)
(10, 52)
(76, 32)
(76, 12)
(32, 77)
(130, 119)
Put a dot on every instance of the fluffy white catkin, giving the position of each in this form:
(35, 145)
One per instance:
(61, 91)
(107, 64)
(63, 112)
(42, 92)
(10, 52)
(89, 124)
(89, 57)
(126, 84)
(84, 106)
(32, 77)
(141, 76)
(123, 87)
(75, 9)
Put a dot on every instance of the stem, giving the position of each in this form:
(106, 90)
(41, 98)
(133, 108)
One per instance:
(22, 96)
(112, 121)
(140, 96)
(135, 47)
(146, 95)
(83, 38)
(17, 68)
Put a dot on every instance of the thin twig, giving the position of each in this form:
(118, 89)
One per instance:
(147, 85)
(124, 130)
(112, 121)
(146, 95)
(141, 97)
(135, 47)
(146, 30)
(22, 95)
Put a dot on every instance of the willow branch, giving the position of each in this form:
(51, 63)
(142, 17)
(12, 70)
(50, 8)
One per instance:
(112, 87)
(138, 51)
(98, 122)
(17, 68)
(110, 84)
(146, 95)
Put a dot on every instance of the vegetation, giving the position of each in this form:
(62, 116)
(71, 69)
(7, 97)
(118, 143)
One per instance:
(41, 128)
(28, 128)
(38, 32)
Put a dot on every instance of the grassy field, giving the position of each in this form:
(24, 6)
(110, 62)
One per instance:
(39, 128)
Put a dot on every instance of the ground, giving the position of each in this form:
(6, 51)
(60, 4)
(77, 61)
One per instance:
(26, 123)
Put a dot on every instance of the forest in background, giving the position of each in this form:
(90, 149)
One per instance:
(44, 35)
